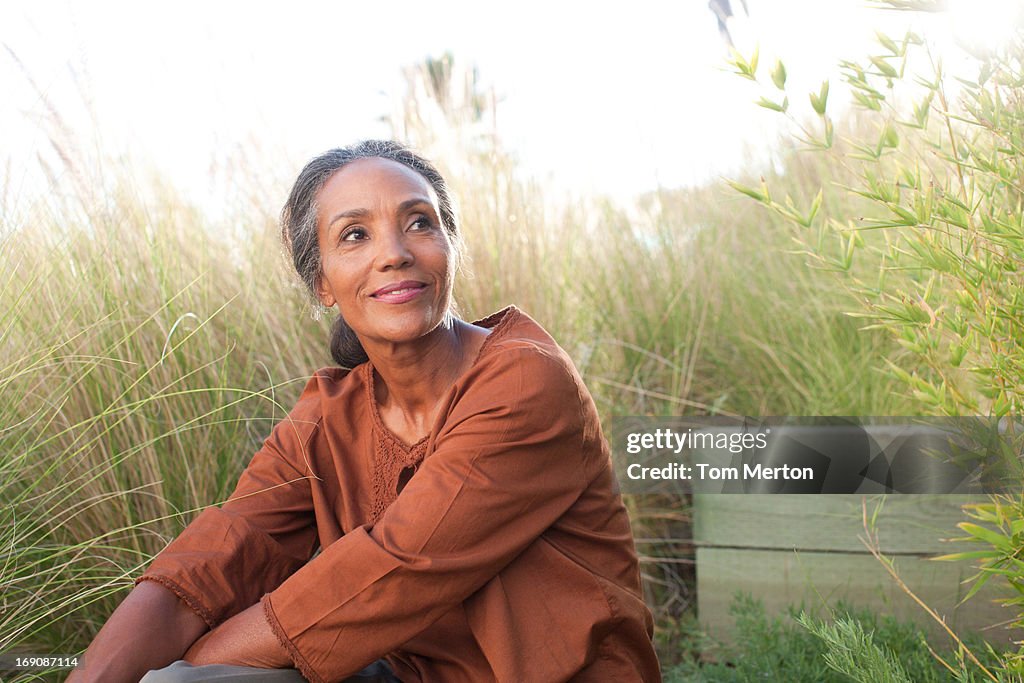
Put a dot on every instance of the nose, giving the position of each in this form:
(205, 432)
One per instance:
(392, 251)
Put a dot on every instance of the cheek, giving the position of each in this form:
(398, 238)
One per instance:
(448, 263)
(448, 254)
(338, 281)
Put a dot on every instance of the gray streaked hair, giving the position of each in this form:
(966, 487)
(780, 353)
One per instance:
(300, 234)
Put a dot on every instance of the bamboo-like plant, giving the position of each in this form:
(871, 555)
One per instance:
(936, 257)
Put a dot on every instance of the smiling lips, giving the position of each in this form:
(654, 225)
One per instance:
(399, 292)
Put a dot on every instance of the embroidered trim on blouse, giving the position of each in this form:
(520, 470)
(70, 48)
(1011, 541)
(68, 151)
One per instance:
(392, 456)
(193, 603)
(300, 662)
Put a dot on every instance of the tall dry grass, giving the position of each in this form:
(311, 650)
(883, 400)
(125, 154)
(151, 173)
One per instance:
(142, 361)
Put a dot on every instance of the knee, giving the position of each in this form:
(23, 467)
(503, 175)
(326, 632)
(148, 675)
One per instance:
(178, 672)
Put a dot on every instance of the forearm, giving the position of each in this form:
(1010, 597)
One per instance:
(245, 639)
(150, 629)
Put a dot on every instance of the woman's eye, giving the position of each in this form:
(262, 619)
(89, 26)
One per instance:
(353, 234)
(422, 223)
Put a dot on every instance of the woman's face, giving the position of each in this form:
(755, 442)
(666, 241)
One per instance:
(386, 260)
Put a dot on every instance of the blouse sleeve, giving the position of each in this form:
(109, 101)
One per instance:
(230, 556)
(508, 463)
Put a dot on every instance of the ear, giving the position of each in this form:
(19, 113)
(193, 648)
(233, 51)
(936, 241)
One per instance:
(323, 293)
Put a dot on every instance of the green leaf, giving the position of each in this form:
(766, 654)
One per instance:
(890, 138)
(815, 206)
(820, 101)
(1001, 406)
(867, 102)
(779, 75)
(887, 43)
(983, 511)
(749, 191)
(978, 584)
(743, 67)
(985, 73)
(884, 67)
(774, 106)
(957, 353)
(972, 555)
(995, 539)
(848, 255)
(908, 216)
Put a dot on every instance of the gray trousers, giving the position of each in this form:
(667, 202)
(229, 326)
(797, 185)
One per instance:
(183, 672)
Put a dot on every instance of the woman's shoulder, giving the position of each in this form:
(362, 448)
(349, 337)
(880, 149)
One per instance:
(334, 386)
(328, 391)
(517, 338)
(520, 358)
(526, 385)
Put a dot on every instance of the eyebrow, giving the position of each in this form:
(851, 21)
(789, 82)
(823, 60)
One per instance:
(363, 213)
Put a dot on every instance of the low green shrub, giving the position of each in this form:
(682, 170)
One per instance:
(797, 648)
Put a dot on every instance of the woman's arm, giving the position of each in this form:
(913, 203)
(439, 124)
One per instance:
(150, 629)
(220, 565)
(517, 451)
(230, 556)
(243, 640)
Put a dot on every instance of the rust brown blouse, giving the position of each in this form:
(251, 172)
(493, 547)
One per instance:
(507, 555)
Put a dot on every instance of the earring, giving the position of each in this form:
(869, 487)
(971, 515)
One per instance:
(318, 311)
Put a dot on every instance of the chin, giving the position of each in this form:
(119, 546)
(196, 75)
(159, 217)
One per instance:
(407, 333)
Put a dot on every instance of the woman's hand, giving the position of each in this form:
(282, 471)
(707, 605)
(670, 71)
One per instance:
(245, 639)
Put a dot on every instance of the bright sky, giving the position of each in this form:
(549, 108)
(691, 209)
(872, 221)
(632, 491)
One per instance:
(592, 96)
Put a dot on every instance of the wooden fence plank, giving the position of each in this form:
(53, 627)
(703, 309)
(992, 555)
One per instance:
(907, 524)
(781, 579)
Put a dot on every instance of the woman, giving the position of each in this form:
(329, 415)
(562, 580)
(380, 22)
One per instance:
(455, 480)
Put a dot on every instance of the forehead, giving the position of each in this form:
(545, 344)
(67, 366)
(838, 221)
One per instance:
(372, 183)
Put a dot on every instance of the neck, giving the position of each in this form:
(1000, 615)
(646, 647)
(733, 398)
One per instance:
(413, 376)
